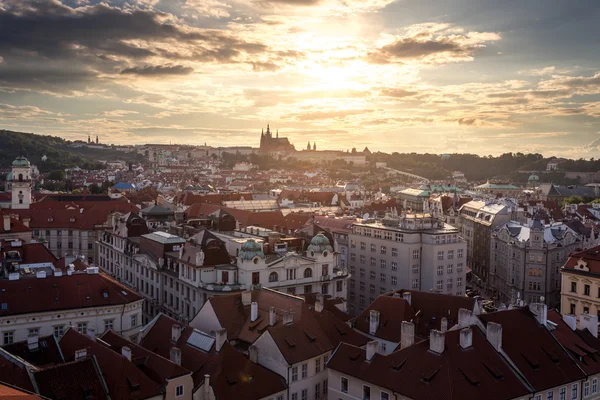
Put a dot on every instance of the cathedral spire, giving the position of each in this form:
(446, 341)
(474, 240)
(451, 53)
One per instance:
(314, 146)
(277, 133)
(308, 146)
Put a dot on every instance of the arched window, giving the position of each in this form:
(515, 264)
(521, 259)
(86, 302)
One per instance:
(273, 277)
(20, 177)
(308, 273)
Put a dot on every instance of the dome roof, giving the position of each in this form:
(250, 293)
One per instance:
(319, 244)
(534, 177)
(21, 162)
(251, 249)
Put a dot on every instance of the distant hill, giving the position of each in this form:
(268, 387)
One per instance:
(57, 150)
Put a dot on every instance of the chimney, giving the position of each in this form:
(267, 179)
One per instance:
(437, 341)
(570, 320)
(590, 322)
(33, 342)
(373, 321)
(407, 296)
(91, 332)
(288, 317)
(253, 311)
(465, 317)
(6, 223)
(407, 337)
(272, 316)
(175, 355)
(319, 302)
(175, 333)
(220, 338)
(79, 354)
(246, 297)
(253, 354)
(444, 325)
(540, 310)
(493, 334)
(126, 352)
(25, 221)
(206, 386)
(397, 295)
(466, 338)
(372, 349)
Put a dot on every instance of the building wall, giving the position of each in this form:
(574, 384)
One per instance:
(62, 242)
(355, 387)
(407, 261)
(578, 302)
(95, 317)
(171, 388)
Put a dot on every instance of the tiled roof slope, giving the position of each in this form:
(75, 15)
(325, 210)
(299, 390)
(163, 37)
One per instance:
(232, 376)
(474, 373)
(74, 380)
(31, 295)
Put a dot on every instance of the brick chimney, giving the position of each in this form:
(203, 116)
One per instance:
(493, 335)
(437, 341)
(407, 296)
(407, 337)
(372, 349)
(246, 297)
(319, 302)
(465, 318)
(466, 338)
(540, 310)
(444, 324)
(272, 316)
(570, 320)
(6, 225)
(288, 317)
(373, 321)
(220, 338)
(175, 355)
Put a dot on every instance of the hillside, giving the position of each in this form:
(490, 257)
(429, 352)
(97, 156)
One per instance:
(57, 150)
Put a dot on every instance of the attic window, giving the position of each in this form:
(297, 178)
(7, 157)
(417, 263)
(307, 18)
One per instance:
(470, 376)
(72, 219)
(291, 344)
(552, 356)
(105, 294)
(427, 377)
(4, 306)
(50, 219)
(397, 365)
(355, 356)
(310, 336)
(533, 363)
(134, 385)
(494, 371)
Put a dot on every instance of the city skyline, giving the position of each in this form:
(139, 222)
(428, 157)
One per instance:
(394, 75)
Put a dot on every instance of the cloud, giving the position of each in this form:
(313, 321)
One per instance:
(332, 114)
(397, 92)
(154, 70)
(432, 43)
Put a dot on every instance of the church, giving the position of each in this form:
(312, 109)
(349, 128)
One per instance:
(274, 144)
(19, 183)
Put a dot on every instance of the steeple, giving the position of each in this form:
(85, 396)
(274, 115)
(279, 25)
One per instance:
(308, 146)
(89, 139)
(97, 139)
(277, 133)
(314, 146)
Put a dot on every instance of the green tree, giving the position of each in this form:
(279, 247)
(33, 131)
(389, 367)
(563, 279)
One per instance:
(56, 175)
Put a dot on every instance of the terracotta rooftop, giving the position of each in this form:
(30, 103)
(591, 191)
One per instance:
(591, 258)
(392, 311)
(80, 290)
(81, 379)
(477, 372)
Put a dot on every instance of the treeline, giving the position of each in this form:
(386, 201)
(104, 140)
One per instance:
(59, 154)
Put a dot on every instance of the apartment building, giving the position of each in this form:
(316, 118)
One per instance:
(177, 276)
(526, 260)
(415, 251)
(580, 287)
(49, 305)
(477, 219)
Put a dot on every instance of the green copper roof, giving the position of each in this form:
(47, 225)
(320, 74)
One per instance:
(21, 162)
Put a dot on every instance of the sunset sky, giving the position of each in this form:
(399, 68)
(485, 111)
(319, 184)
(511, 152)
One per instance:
(441, 76)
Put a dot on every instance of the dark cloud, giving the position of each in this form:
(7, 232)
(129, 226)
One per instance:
(397, 92)
(153, 70)
(467, 121)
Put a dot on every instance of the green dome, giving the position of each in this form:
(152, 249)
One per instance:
(534, 177)
(319, 244)
(21, 162)
(251, 249)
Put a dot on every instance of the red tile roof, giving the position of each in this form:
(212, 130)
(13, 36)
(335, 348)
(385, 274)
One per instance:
(392, 311)
(32, 295)
(122, 376)
(7, 392)
(533, 349)
(16, 226)
(475, 373)
(264, 219)
(157, 368)
(590, 256)
(47, 354)
(31, 253)
(74, 380)
(232, 376)
(14, 372)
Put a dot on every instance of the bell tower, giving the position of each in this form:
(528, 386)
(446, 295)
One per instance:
(20, 183)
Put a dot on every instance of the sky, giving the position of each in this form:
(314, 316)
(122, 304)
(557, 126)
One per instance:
(439, 76)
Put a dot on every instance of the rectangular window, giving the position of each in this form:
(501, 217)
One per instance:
(59, 331)
(325, 387)
(562, 394)
(366, 392)
(361, 299)
(372, 274)
(394, 281)
(459, 267)
(304, 370)
(440, 270)
(9, 338)
(449, 268)
(459, 253)
(318, 390)
(440, 285)
(594, 385)
(573, 287)
(33, 332)
(383, 250)
(363, 245)
(550, 395)
(179, 391)
(294, 374)
(383, 264)
(450, 254)
(362, 259)
(385, 396)
(362, 286)
(458, 282)
(415, 254)
(574, 391)
(344, 385)
(415, 284)
(440, 255)
(449, 284)
(415, 269)
(352, 256)
(586, 389)
(134, 320)
(394, 252)
(294, 396)
(382, 278)
(317, 365)
(304, 394)
(82, 327)
(373, 261)
(586, 290)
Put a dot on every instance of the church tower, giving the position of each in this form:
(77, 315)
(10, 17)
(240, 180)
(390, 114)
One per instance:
(20, 183)
(314, 146)
(97, 139)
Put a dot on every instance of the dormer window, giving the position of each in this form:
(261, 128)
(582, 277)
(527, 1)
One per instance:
(72, 219)
(50, 219)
